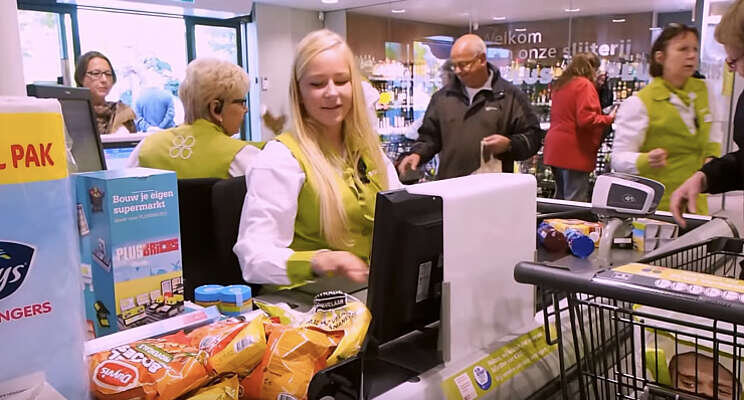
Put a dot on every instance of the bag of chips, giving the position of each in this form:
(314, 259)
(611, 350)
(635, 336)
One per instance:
(337, 313)
(233, 345)
(225, 387)
(294, 355)
(161, 369)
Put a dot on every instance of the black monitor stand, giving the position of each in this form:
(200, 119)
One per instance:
(378, 369)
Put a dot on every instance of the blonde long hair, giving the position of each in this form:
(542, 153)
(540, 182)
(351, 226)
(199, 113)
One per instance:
(359, 138)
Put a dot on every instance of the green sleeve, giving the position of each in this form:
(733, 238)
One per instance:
(642, 164)
(298, 267)
(712, 149)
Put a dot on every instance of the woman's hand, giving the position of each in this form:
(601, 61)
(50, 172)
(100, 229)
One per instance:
(685, 197)
(343, 263)
(657, 158)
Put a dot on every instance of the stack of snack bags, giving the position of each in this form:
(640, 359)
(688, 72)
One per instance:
(332, 331)
(250, 357)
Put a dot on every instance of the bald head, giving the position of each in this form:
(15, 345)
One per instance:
(468, 45)
(468, 57)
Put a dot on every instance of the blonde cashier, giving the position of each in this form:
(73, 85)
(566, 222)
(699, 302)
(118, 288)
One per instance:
(310, 201)
(670, 128)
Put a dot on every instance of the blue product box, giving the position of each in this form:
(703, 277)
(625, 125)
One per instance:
(130, 247)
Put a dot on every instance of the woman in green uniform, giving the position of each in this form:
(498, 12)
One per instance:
(214, 99)
(669, 129)
(310, 201)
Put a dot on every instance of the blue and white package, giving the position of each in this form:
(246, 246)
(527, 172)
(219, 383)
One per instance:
(130, 247)
(41, 312)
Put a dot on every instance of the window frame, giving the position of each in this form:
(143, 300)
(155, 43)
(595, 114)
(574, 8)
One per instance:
(61, 10)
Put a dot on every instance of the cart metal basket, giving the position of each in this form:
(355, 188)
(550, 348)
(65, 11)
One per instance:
(669, 328)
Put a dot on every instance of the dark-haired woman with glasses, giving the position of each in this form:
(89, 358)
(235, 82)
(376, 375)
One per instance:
(670, 128)
(726, 173)
(94, 71)
(214, 100)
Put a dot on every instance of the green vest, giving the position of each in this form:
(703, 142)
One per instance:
(360, 209)
(199, 150)
(666, 129)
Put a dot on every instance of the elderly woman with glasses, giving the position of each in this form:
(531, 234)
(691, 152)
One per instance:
(214, 100)
(94, 71)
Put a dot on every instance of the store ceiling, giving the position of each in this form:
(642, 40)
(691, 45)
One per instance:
(458, 12)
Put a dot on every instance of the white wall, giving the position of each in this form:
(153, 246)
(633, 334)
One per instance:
(279, 29)
(336, 21)
(11, 79)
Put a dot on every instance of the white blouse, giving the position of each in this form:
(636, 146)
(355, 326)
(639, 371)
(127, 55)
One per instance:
(273, 184)
(631, 125)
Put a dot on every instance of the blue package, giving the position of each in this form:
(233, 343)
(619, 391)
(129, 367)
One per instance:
(41, 313)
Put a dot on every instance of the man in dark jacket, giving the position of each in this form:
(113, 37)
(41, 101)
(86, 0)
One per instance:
(477, 107)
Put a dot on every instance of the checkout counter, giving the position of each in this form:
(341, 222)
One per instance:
(418, 368)
(487, 321)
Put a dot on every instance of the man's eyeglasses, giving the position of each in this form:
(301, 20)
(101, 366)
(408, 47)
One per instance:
(464, 65)
(731, 62)
(96, 74)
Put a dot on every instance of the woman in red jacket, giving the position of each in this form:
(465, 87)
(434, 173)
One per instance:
(576, 125)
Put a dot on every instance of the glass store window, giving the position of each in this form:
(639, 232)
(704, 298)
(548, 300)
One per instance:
(216, 41)
(43, 46)
(141, 63)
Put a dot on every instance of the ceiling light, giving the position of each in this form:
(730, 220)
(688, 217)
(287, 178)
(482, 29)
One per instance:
(520, 29)
(398, 10)
(329, 1)
(572, 10)
(618, 20)
(498, 18)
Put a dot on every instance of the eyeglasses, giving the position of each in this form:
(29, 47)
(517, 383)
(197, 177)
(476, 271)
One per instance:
(731, 62)
(96, 74)
(242, 101)
(464, 65)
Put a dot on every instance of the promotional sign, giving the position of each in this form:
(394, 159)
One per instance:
(41, 314)
(130, 247)
(508, 372)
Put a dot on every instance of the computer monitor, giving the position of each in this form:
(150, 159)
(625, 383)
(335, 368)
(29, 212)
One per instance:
(117, 153)
(80, 122)
(406, 271)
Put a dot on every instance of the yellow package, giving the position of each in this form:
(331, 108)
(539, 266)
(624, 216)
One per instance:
(591, 229)
(281, 311)
(228, 388)
(292, 359)
(336, 312)
(233, 345)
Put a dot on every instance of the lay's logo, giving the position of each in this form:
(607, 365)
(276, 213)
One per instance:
(15, 262)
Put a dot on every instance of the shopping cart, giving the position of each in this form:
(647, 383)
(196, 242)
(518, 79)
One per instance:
(670, 328)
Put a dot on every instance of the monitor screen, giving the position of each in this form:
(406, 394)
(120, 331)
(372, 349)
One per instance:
(116, 157)
(405, 282)
(79, 121)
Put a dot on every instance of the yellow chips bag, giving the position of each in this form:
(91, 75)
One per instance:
(233, 345)
(338, 313)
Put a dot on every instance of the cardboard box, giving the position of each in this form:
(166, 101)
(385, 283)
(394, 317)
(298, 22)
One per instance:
(130, 244)
(649, 234)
